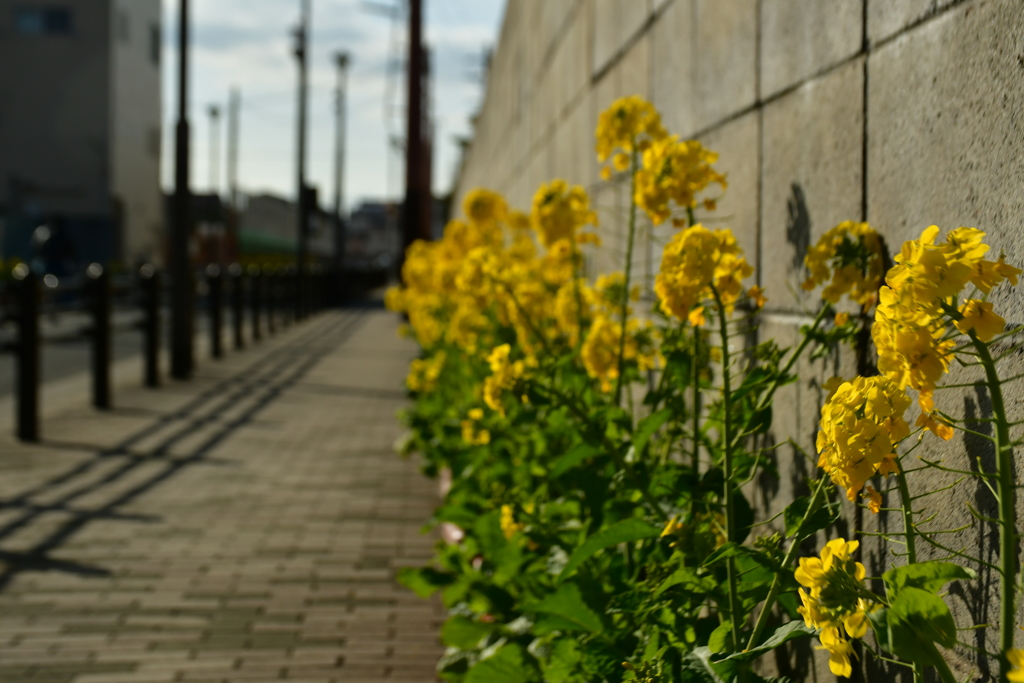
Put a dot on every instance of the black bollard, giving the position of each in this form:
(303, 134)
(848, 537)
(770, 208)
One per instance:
(99, 295)
(149, 281)
(255, 299)
(215, 286)
(271, 290)
(237, 298)
(27, 291)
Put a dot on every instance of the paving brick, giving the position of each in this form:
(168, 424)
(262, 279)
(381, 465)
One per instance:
(261, 567)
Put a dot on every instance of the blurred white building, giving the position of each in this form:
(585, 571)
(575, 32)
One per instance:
(80, 125)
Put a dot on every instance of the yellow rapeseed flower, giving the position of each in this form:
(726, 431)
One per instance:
(484, 206)
(834, 601)
(424, 373)
(850, 259)
(861, 423)
(695, 259)
(911, 326)
(978, 316)
(509, 526)
(560, 211)
(1016, 658)
(505, 374)
(673, 172)
(629, 124)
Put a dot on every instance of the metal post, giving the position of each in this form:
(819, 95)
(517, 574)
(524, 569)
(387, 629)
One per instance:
(150, 281)
(272, 298)
(214, 111)
(301, 41)
(412, 219)
(255, 299)
(27, 287)
(99, 286)
(237, 298)
(215, 285)
(342, 60)
(181, 275)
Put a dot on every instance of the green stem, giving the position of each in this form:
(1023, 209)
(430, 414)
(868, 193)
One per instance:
(696, 410)
(727, 492)
(1007, 506)
(766, 398)
(629, 269)
(776, 587)
(613, 451)
(909, 535)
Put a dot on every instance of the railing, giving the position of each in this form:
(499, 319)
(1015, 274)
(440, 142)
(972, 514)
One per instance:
(271, 295)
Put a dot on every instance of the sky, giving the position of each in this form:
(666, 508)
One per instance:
(248, 44)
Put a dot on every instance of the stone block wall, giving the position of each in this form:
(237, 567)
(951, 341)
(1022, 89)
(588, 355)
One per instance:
(903, 113)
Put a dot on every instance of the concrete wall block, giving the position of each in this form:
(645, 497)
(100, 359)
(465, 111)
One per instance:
(736, 143)
(888, 18)
(672, 81)
(635, 69)
(811, 176)
(945, 128)
(570, 65)
(725, 35)
(615, 23)
(800, 38)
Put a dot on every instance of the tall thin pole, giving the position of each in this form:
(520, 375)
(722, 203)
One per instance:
(214, 112)
(412, 221)
(181, 296)
(234, 104)
(342, 60)
(301, 41)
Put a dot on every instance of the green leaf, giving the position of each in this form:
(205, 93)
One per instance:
(646, 428)
(783, 634)
(507, 665)
(424, 581)
(928, 576)
(567, 602)
(561, 664)
(690, 581)
(626, 531)
(761, 421)
(697, 663)
(574, 457)
(824, 516)
(464, 633)
(721, 638)
(923, 613)
(487, 530)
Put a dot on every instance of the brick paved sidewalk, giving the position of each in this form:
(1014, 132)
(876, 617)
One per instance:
(243, 526)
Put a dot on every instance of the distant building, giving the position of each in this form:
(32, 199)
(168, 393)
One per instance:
(267, 226)
(80, 126)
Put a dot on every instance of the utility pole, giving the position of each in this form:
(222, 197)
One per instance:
(301, 42)
(181, 270)
(414, 223)
(214, 112)
(234, 104)
(341, 59)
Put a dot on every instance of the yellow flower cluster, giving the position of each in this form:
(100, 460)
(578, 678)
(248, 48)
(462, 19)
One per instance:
(1016, 658)
(505, 374)
(629, 124)
(850, 258)
(470, 434)
(509, 526)
(673, 172)
(424, 372)
(694, 261)
(600, 352)
(835, 602)
(559, 211)
(861, 423)
(910, 330)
